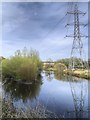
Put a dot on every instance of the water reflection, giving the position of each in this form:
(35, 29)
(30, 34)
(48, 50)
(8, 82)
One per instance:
(79, 94)
(23, 91)
(67, 95)
(59, 76)
(49, 75)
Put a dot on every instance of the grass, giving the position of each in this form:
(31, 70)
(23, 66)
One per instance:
(79, 73)
(9, 111)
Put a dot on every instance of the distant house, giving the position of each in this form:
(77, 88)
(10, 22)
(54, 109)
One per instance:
(48, 63)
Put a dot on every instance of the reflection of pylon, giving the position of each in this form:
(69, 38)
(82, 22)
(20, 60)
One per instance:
(77, 47)
(79, 96)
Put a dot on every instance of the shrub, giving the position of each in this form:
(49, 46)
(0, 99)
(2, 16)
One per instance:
(22, 66)
(60, 67)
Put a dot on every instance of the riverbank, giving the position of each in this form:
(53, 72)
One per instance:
(9, 111)
(78, 73)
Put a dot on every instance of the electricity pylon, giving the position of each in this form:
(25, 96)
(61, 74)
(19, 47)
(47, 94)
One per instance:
(77, 46)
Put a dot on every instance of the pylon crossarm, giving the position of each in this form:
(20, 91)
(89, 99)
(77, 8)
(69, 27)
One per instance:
(76, 36)
(71, 24)
(76, 12)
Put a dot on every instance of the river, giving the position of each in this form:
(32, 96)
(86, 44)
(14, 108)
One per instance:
(63, 95)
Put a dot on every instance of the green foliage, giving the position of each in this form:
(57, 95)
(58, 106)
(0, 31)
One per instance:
(23, 66)
(59, 67)
(66, 61)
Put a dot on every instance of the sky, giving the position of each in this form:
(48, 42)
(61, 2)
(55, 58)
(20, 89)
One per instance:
(40, 26)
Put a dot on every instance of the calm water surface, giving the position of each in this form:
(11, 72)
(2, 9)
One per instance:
(62, 95)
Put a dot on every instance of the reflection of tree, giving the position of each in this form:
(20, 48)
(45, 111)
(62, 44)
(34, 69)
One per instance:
(49, 75)
(78, 90)
(23, 91)
(58, 76)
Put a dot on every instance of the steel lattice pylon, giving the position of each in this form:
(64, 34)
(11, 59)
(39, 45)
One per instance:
(77, 46)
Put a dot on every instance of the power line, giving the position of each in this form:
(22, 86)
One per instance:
(70, 7)
(54, 27)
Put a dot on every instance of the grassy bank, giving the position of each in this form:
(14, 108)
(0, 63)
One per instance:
(9, 111)
(79, 73)
(61, 68)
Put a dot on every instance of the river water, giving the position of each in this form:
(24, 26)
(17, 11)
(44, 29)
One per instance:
(63, 95)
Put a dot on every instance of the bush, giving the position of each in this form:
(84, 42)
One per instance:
(59, 68)
(23, 66)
